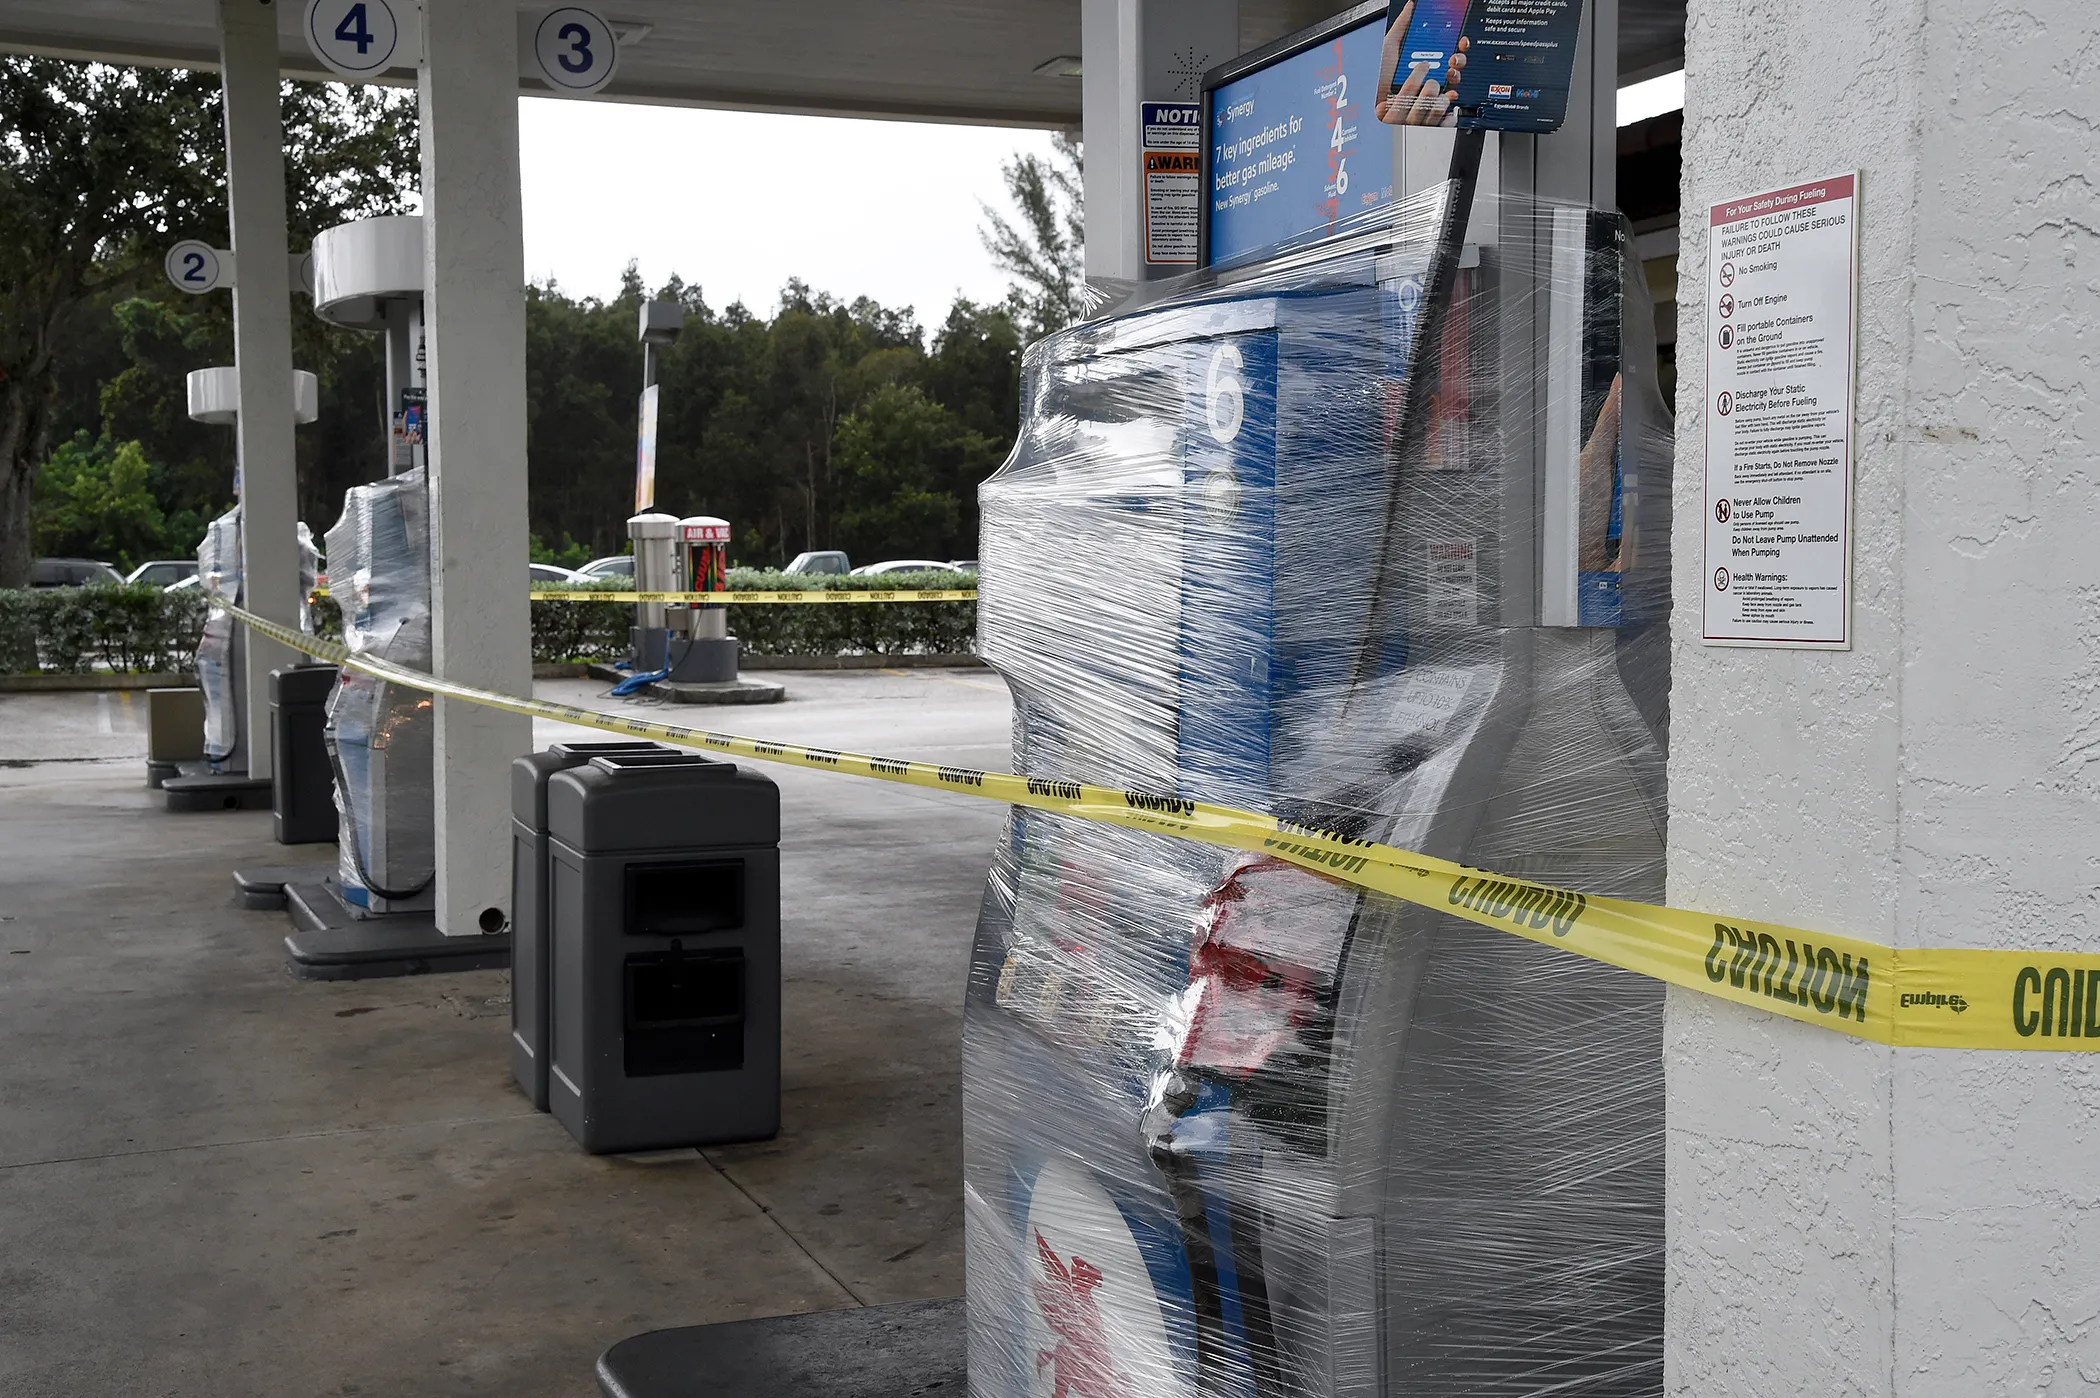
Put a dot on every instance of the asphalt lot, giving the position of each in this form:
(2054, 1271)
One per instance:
(215, 1179)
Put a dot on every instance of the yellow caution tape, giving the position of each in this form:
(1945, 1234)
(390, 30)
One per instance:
(803, 596)
(1921, 997)
(741, 599)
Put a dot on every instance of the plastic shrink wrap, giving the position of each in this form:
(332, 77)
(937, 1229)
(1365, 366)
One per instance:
(379, 734)
(1232, 1128)
(220, 647)
(309, 576)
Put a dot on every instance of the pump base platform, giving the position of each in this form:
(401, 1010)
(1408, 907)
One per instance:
(216, 791)
(331, 945)
(910, 1350)
(262, 888)
(158, 771)
(729, 692)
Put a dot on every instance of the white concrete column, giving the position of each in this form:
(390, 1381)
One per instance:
(1846, 1218)
(262, 349)
(1134, 51)
(474, 293)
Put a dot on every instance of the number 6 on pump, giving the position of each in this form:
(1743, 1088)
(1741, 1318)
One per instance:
(575, 50)
(358, 38)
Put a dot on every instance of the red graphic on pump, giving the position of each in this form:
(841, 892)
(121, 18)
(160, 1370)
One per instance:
(1083, 1366)
(1265, 944)
(710, 575)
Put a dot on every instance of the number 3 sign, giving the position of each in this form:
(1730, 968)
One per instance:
(357, 38)
(575, 50)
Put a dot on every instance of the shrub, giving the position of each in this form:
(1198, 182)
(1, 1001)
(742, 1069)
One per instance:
(598, 630)
(71, 630)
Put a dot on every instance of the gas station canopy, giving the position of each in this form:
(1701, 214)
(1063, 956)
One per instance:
(982, 61)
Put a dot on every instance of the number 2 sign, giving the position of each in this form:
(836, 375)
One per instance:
(356, 38)
(575, 50)
(197, 267)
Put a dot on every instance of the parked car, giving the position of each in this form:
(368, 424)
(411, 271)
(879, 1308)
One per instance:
(962, 565)
(551, 573)
(193, 580)
(620, 565)
(820, 561)
(162, 571)
(901, 565)
(71, 572)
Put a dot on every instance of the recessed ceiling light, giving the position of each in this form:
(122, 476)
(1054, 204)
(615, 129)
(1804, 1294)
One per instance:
(1065, 65)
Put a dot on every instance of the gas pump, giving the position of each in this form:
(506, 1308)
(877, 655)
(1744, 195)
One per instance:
(221, 780)
(1386, 518)
(369, 276)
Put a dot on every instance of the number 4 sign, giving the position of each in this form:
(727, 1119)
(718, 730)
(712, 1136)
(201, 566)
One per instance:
(359, 38)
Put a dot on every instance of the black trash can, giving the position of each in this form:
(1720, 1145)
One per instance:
(664, 895)
(302, 783)
(528, 903)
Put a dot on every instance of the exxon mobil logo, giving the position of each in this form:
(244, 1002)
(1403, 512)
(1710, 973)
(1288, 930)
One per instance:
(1500, 90)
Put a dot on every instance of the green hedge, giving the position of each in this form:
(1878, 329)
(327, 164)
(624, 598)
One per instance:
(71, 630)
(568, 631)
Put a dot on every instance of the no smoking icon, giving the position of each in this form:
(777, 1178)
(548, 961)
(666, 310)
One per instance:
(1722, 510)
(1728, 274)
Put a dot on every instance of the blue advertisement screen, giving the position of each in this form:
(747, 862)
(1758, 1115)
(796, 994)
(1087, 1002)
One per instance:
(1296, 147)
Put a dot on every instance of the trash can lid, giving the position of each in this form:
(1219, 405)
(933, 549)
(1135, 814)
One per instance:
(529, 774)
(662, 802)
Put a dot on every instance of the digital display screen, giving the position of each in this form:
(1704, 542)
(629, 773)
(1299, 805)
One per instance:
(1296, 147)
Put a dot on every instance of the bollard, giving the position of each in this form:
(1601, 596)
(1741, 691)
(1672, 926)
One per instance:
(664, 890)
(174, 732)
(528, 903)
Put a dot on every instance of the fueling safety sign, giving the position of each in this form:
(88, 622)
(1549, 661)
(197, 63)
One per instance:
(1173, 155)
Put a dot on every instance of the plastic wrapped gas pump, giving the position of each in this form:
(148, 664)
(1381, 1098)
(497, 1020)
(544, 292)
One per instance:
(1232, 1128)
(380, 734)
(220, 648)
(224, 643)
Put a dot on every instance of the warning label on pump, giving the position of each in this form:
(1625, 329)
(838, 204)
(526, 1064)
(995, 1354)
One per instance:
(1782, 278)
(1173, 180)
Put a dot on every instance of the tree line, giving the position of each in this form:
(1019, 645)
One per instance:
(826, 423)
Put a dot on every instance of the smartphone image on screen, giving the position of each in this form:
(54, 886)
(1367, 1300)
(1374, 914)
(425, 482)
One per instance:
(1432, 37)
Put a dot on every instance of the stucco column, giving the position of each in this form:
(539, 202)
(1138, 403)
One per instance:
(1846, 1218)
(474, 291)
(262, 351)
(1134, 51)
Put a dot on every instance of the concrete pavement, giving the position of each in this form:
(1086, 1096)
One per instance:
(217, 1180)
